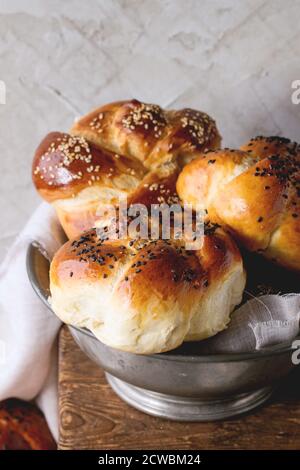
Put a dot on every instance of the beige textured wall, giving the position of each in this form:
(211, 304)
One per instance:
(233, 59)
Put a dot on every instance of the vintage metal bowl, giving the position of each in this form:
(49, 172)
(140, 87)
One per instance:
(178, 385)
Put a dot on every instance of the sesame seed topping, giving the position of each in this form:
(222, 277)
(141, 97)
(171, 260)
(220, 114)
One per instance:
(198, 125)
(96, 123)
(145, 116)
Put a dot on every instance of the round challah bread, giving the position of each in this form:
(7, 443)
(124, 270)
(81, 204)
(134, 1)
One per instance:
(147, 296)
(118, 151)
(254, 192)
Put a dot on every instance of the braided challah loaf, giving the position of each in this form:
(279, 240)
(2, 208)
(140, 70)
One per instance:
(123, 149)
(254, 192)
(147, 296)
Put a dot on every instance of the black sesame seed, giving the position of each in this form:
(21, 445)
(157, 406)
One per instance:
(105, 276)
(71, 274)
(260, 219)
(189, 275)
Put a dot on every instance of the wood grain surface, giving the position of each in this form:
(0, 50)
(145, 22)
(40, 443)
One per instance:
(93, 417)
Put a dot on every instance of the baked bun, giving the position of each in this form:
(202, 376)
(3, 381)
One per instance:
(23, 427)
(148, 133)
(253, 192)
(147, 296)
(113, 153)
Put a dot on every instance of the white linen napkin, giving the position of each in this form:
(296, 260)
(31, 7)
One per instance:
(28, 330)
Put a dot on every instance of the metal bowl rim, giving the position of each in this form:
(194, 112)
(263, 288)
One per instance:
(232, 357)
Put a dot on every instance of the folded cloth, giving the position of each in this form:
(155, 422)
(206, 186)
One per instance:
(28, 330)
(260, 323)
(28, 350)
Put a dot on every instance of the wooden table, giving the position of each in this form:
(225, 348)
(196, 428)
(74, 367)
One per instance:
(93, 417)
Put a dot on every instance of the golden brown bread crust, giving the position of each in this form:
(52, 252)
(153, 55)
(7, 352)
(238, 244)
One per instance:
(202, 178)
(151, 289)
(284, 156)
(263, 147)
(158, 187)
(63, 165)
(148, 133)
(113, 153)
(90, 257)
(254, 192)
(23, 427)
